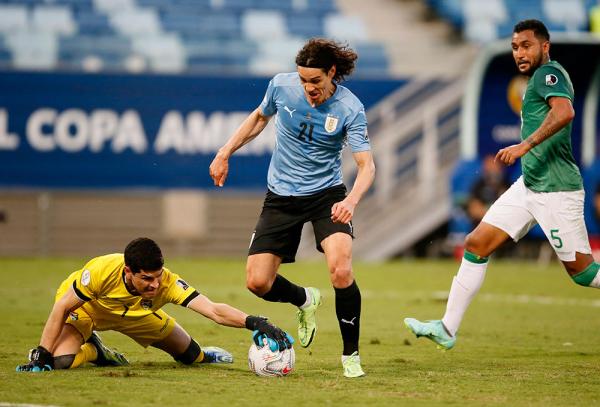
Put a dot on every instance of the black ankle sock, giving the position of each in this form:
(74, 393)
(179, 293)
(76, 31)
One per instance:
(347, 309)
(284, 290)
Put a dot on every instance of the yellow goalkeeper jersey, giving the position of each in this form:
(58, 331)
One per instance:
(101, 283)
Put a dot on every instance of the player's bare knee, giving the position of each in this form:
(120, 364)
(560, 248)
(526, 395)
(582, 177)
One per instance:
(63, 361)
(473, 244)
(258, 286)
(341, 276)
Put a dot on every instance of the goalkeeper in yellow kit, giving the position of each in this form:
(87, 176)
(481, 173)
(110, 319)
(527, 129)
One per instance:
(125, 293)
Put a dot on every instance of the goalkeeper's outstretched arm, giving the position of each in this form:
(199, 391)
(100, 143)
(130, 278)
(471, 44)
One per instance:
(227, 315)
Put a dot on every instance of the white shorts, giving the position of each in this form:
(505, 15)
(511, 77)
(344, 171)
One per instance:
(559, 214)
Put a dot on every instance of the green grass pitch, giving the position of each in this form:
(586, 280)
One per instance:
(529, 338)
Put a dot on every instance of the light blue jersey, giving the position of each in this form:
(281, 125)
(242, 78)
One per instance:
(308, 154)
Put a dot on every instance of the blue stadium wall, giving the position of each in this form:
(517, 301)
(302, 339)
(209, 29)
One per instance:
(60, 130)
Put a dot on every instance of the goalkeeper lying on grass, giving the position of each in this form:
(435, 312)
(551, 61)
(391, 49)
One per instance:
(125, 293)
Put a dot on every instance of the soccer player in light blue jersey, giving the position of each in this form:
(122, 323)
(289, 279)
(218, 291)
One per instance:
(315, 118)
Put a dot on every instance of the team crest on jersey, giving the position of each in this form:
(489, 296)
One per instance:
(551, 79)
(73, 316)
(182, 284)
(331, 123)
(146, 304)
(85, 277)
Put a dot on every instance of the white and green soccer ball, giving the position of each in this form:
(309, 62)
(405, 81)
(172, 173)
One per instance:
(264, 362)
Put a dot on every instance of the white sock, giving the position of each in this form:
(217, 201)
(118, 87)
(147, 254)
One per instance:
(344, 357)
(465, 285)
(308, 299)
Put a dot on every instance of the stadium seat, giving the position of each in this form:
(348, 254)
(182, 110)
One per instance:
(275, 56)
(13, 18)
(135, 22)
(372, 60)
(318, 6)
(231, 30)
(33, 50)
(114, 6)
(480, 31)
(79, 52)
(262, 25)
(346, 28)
(570, 13)
(482, 18)
(53, 19)
(165, 52)
(205, 26)
(490, 10)
(5, 54)
(305, 25)
(92, 23)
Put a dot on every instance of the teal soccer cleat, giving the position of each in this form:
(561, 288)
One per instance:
(432, 330)
(213, 354)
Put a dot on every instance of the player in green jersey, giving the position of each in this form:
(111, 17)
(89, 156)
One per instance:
(550, 191)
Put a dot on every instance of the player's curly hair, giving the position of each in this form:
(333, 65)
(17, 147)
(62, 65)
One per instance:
(322, 53)
(143, 254)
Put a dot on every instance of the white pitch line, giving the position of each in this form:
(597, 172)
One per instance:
(538, 300)
(487, 297)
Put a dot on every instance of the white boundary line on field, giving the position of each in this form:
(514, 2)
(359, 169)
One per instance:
(528, 299)
(539, 300)
(487, 297)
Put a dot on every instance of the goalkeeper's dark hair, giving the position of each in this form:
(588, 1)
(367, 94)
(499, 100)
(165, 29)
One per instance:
(538, 28)
(143, 254)
(322, 53)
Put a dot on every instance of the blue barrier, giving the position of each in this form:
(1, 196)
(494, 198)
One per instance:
(60, 130)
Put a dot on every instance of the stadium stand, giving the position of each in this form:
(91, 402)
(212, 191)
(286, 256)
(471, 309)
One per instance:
(485, 21)
(204, 36)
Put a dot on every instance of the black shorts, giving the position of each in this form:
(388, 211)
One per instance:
(279, 227)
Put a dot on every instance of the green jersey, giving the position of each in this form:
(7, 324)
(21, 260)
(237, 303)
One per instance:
(549, 166)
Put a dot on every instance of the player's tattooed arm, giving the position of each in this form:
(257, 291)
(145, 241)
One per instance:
(561, 114)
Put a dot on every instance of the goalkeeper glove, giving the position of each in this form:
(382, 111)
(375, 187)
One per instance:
(263, 327)
(40, 360)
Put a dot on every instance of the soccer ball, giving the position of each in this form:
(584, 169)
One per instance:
(264, 362)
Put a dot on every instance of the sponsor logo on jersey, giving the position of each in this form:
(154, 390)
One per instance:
(146, 304)
(290, 111)
(551, 79)
(182, 284)
(85, 277)
(331, 123)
